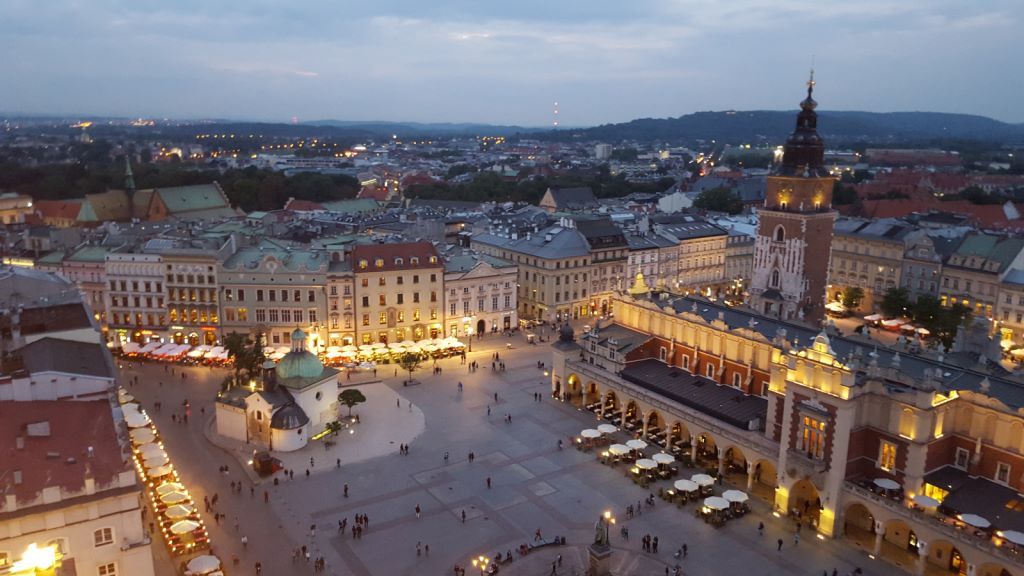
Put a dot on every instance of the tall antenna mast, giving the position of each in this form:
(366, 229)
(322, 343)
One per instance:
(554, 122)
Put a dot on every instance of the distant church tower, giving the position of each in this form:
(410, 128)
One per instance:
(794, 235)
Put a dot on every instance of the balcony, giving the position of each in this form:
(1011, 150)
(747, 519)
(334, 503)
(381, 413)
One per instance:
(799, 463)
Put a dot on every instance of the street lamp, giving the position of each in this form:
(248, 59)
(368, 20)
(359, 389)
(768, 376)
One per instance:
(481, 562)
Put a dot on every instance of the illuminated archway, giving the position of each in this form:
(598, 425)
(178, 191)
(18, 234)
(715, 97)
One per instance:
(805, 502)
(859, 526)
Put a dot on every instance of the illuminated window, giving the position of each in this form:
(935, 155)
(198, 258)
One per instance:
(379, 262)
(887, 456)
(383, 317)
(362, 264)
(812, 440)
(366, 319)
(416, 315)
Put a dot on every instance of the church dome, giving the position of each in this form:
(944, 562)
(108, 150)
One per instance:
(566, 333)
(299, 363)
(289, 417)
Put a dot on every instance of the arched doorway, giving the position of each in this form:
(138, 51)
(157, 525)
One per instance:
(209, 338)
(573, 390)
(632, 418)
(707, 452)
(193, 339)
(654, 429)
(899, 544)
(734, 465)
(943, 559)
(805, 502)
(481, 326)
(859, 526)
(679, 436)
(763, 481)
(610, 408)
(592, 396)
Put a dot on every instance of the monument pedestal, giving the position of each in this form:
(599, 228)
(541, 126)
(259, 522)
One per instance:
(599, 556)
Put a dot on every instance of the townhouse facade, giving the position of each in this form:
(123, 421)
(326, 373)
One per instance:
(399, 292)
(480, 295)
(868, 254)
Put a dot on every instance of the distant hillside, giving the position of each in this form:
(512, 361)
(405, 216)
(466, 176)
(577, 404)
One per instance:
(773, 126)
(425, 129)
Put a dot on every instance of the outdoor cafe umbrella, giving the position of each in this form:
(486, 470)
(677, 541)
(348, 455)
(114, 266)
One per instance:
(887, 484)
(168, 487)
(178, 511)
(349, 348)
(142, 435)
(716, 502)
(184, 526)
(407, 343)
(646, 464)
(925, 501)
(378, 345)
(136, 419)
(975, 520)
(618, 449)
(174, 498)
(1013, 536)
(662, 458)
(124, 398)
(685, 485)
(590, 433)
(148, 450)
(203, 564)
(156, 460)
(735, 496)
(637, 444)
(159, 471)
(606, 428)
(702, 479)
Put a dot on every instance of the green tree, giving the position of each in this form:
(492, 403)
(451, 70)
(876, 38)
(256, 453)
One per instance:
(896, 302)
(410, 362)
(350, 398)
(843, 194)
(719, 199)
(246, 354)
(852, 297)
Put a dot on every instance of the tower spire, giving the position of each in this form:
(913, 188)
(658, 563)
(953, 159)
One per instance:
(129, 178)
(810, 84)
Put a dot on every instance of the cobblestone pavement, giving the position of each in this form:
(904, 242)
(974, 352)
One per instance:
(533, 485)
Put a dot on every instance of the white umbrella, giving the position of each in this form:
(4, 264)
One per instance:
(126, 398)
(685, 485)
(662, 458)
(378, 345)
(203, 564)
(618, 449)
(184, 526)
(590, 433)
(887, 484)
(394, 345)
(277, 356)
(637, 444)
(716, 503)
(178, 511)
(168, 487)
(430, 348)
(349, 348)
(332, 355)
(159, 471)
(873, 318)
(407, 343)
(142, 436)
(975, 520)
(268, 350)
(606, 428)
(174, 498)
(702, 479)
(925, 501)
(157, 460)
(646, 464)
(1014, 536)
(127, 407)
(735, 496)
(334, 348)
(284, 349)
(365, 348)
(149, 450)
(136, 419)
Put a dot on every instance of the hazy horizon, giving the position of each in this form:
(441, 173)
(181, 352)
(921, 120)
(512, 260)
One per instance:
(458, 61)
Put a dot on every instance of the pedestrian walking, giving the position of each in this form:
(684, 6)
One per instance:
(419, 548)
(760, 528)
(245, 541)
(654, 545)
(417, 510)
(779, 549)
(796, 539)
(685, 550)
(463, 515)
(488, 482)
(345, 490)
(259, 567)
(446, 457)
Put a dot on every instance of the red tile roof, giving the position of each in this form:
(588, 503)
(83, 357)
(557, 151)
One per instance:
(374, 192)
(58, 209)
(61, 457)
(388, 253)
(302, 205)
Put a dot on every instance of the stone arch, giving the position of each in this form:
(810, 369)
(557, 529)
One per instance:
(779, 234)
(592, 394)
(992, 569)
(678, 434)
(733, 464)
(805, 501)
(943, 557)
(632, 414)
(859, 526)
(899, 544)
(610, 405)
(654, 423)
(706, 450)
(763, 479)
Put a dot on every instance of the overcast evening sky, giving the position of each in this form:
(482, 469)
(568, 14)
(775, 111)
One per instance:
(506, 62)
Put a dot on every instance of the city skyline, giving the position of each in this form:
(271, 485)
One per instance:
(458, 62)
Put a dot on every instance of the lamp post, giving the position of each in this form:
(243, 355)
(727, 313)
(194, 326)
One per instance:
(481, 562)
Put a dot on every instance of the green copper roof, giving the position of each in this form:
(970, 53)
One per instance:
(190, 198)
(299, 364)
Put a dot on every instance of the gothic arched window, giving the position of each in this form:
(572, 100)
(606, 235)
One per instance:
(780, 233)
(775, 278)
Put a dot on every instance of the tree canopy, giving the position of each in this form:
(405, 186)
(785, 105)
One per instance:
(719, 199)
(852, 297)
(350, 397)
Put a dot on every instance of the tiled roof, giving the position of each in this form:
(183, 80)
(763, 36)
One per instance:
(579, 197)
(564, 243)
(71, 429)
(179, 199)
(395, 256)
(67, 356)
(58, 209)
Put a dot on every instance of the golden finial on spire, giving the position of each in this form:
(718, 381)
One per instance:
(811, 82)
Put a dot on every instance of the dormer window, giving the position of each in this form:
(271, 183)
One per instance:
(399, 261)
(379, 263)
(433, 259)
(362, 264)
(414, 261)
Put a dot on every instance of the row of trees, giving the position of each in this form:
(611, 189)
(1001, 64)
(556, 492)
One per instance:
(491, 186)
(927, 311)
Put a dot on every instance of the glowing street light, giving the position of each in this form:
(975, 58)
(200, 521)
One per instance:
(35, 560)
(481, 562)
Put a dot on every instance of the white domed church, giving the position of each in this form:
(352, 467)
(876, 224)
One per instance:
(295, 400)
